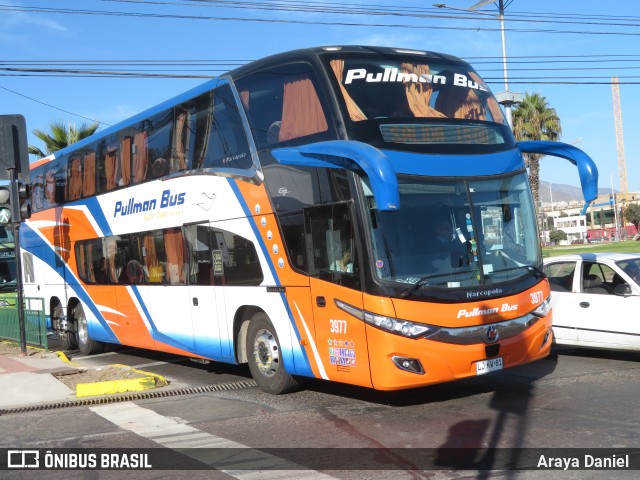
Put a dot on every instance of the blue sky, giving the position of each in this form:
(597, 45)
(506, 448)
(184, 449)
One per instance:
(600, 40)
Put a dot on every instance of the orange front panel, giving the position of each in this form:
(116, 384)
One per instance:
(444, 362)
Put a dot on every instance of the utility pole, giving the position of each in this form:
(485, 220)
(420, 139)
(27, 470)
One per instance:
(507, 99)
(14, 159)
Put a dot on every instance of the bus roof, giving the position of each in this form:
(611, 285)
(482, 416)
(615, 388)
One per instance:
(306, 53)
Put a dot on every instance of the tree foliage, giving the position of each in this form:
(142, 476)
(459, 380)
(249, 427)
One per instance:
(557, 236)
(534, 119)
(632, 214)
(60, 136)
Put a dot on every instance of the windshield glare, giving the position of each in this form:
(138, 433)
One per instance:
(456, 234)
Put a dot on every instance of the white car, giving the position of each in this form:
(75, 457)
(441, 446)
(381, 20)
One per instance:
(595, 299)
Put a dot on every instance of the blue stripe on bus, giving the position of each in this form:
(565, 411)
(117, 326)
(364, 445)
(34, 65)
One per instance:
(99, 217)
(301, 365)
(174, 341)
(48, 255)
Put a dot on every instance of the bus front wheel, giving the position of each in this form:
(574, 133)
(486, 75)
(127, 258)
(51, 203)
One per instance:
(265, 357)
(86, 345)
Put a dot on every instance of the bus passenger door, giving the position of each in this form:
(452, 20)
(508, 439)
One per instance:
(204, 296)
(332, 259)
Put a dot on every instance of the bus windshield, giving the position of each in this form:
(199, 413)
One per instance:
(412, 101)
(452, 234)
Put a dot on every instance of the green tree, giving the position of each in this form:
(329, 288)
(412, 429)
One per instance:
(61, 136)
(557, 236)
(632, 214)
(534, 119)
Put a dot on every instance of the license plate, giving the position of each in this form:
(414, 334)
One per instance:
(489, 365)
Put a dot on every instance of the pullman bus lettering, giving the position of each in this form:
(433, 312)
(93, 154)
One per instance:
(133, 206)
(476, 312)
(393, 75)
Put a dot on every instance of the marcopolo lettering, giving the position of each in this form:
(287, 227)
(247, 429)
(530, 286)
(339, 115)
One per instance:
(133, 206)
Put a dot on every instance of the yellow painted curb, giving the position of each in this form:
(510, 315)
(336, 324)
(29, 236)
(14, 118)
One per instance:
(146, 381)
(115, 386)
(64, 358)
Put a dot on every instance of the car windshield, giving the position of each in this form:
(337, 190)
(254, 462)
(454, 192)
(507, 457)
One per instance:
(631, 267)
(420, 102)
(456, 234)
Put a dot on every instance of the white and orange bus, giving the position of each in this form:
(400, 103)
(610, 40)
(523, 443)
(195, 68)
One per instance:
(355, 214)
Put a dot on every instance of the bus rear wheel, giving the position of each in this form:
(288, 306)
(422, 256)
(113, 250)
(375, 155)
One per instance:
(265, 358)
(85, 344)
(67, 339)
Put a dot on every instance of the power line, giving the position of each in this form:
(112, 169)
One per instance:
(174, 16)
(53, 106)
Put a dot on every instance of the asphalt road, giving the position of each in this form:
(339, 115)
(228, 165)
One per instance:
(577, 399)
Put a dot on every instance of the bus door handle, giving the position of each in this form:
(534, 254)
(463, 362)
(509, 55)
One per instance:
(195, 301)
(321, 302)
(585, 304)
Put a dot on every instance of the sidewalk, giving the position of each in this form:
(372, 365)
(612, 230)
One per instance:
(41, 378)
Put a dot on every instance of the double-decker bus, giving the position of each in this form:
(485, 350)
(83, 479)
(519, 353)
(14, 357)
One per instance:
(354, 214)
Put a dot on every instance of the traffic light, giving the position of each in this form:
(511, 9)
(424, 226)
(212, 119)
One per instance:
(5, 205)
(20, 201)
(15, 202)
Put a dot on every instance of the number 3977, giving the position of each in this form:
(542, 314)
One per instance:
(338, 326)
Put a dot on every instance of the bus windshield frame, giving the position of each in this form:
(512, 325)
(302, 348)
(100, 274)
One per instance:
(455, 234)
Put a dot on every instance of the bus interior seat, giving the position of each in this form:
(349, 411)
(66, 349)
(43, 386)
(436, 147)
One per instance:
(273, 133)
(204, 276)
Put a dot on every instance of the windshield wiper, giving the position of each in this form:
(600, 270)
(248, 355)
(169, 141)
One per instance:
(422, 281)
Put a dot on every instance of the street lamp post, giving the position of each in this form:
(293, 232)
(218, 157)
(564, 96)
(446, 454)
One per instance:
(506, 98)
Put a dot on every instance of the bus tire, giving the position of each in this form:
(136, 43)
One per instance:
(85, 344)
(67, 339)
(265, 357)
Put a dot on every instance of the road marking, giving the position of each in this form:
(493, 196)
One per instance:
(173, 434)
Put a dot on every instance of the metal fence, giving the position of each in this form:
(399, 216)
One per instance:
(35, 323)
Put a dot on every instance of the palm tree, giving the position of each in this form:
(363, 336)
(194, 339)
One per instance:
(61, 136)
(533, 119)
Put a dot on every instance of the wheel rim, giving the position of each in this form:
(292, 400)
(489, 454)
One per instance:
(266, 353)
(83, 334)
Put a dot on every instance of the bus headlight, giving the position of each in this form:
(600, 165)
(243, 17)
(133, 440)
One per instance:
(396, 326)
(399, 327)
(543, 309)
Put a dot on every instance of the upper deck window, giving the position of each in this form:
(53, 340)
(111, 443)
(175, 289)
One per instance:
(417, 101)
(285, 104)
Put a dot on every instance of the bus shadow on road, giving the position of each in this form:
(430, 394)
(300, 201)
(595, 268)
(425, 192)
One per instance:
(486, 447)
(515, 383)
